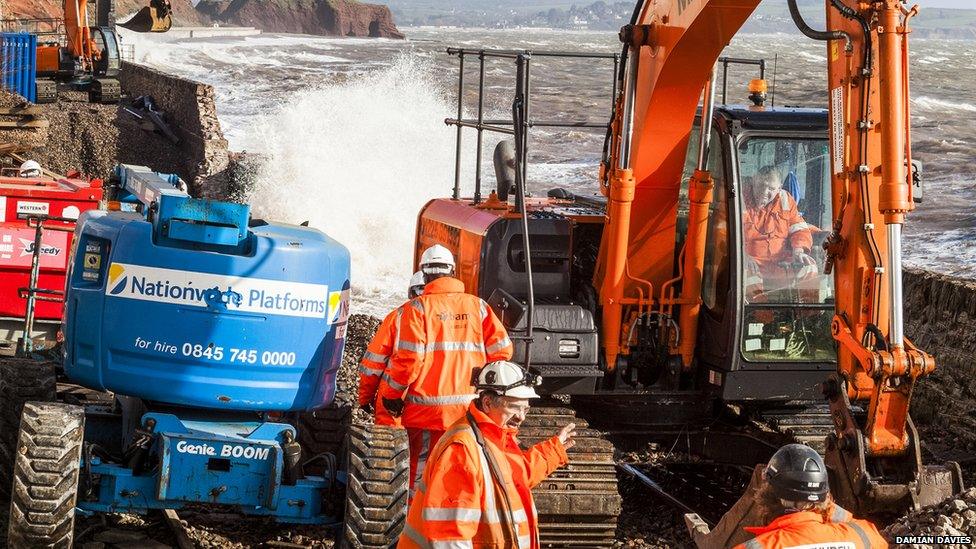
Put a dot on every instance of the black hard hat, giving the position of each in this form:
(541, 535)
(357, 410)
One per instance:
(796, 472)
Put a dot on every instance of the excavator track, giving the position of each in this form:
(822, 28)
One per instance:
(806, 423)
(578, 504)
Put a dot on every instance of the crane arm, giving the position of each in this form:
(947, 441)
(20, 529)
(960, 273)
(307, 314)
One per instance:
(77, 30)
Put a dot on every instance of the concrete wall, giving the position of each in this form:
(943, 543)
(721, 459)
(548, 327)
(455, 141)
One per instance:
(202, 152)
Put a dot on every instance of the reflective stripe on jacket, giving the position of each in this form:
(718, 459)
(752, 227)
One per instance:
(373, 368)
(441, 337)
(771, 231)
(459, 504)
(837, 529)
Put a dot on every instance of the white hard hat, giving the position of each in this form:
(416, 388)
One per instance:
(29, 169)
(506, 378)
(416, 286)
(437, 260)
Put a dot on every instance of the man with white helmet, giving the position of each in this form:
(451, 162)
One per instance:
(442, 336)
(477, 488)
(30, 168)
(372, 368)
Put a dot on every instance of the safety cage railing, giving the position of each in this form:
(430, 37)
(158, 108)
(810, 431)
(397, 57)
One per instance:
(521, 122)
(518, 127)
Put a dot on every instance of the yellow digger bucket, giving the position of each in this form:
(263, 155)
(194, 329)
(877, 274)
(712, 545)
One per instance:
(148, 20)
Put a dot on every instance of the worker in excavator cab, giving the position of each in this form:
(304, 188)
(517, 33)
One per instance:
(372, 369)
(442, 336)
(778, 242)
(476, 491)
(30, 168)
(798, 496)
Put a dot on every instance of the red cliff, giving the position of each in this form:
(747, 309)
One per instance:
(321, 17)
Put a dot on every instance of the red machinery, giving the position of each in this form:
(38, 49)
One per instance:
(25, 203)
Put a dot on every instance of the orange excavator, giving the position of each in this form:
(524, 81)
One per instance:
(88, 56)
(741, 266)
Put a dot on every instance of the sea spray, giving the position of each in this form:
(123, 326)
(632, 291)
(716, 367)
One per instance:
(358, 159)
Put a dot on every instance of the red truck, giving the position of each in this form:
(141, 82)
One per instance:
(22, 200)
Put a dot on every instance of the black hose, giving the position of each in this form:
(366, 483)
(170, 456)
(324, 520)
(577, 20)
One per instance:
(852, 14)
(815, 34)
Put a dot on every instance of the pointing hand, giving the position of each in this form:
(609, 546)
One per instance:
(566, 435)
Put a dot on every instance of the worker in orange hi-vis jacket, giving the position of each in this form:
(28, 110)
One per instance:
(806, 515)
(372, 369)
(476, 491)
(442, 336)
(778, 242)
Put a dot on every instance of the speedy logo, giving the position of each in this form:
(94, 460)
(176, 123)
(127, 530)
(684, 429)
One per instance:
(217, 292)
(27, 248)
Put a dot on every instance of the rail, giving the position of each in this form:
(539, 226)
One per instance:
(726, 61)
(47, 29)
(523, 88)
(519, 128)
(33, 293)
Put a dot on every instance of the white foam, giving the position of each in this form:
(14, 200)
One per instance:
(358, 160)
(934, 104)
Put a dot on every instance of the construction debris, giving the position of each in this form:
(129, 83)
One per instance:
(955, 516)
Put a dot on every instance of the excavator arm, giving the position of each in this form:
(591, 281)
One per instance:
(671, 49)
(875, 460)
(81, 43)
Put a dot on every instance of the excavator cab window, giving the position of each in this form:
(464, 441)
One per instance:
(784, 218)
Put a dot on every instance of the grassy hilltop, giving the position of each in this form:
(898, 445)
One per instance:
(771, 16)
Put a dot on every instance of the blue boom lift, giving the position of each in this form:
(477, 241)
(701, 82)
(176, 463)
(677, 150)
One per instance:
(198, 331)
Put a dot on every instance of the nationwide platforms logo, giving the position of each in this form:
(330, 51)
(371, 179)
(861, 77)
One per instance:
(114, 272)
(219, 292)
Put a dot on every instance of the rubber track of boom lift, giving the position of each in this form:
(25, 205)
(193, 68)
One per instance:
(45, 486)
(378, 467)
(21, 380)
(578, 504)
(322, 432)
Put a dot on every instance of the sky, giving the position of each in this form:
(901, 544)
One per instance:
(945, 3)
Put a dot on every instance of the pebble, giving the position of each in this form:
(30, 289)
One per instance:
(119, 536)
(956, 516)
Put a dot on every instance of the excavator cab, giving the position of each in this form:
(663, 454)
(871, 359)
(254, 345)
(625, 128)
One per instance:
(767, 296)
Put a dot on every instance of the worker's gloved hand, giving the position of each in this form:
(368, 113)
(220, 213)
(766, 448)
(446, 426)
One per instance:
(802, 257)
(394, 406)
(809, 264)
(566, 436)
(368, 408)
